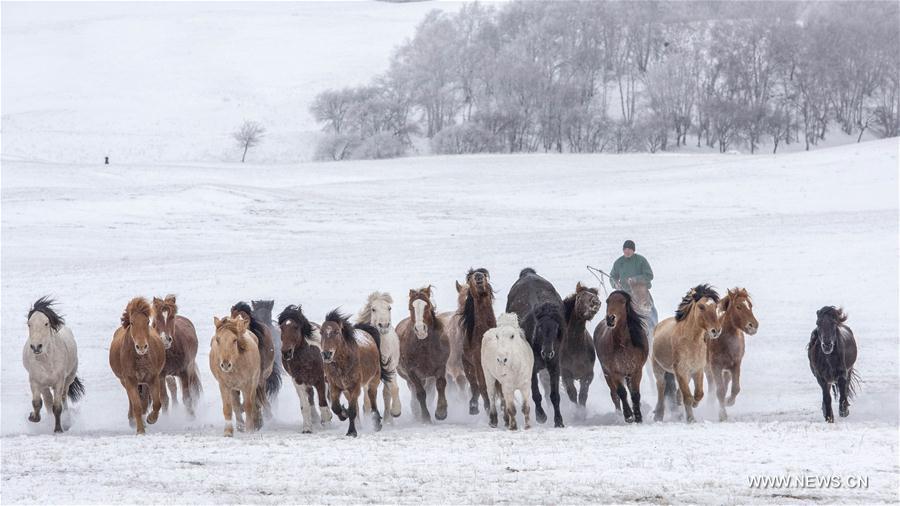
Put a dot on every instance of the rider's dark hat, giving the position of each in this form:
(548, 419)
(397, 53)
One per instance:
(629, 244)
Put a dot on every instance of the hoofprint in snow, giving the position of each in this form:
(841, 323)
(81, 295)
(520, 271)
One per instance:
(799, 231)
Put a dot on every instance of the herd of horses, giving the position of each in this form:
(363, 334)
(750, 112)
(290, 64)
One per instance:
(539, 344)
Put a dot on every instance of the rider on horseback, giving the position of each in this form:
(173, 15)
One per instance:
(630, 269)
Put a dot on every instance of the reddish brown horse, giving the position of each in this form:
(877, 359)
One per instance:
(576, 355)
(301, 356)
(726, 353)
(137, 357)
(476, 317)
(180, 340)
(424, 350)
(622, 347)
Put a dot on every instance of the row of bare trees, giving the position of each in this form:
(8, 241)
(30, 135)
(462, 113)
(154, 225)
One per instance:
(626, 76)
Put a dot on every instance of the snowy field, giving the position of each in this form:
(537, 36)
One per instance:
(798, 230)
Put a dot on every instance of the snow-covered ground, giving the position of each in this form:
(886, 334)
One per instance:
(798, 230)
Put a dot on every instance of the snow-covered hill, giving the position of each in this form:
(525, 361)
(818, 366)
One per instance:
(798, 230)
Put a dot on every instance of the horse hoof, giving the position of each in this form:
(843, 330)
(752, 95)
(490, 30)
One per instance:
(306, 431)
(527, 426)
(723, 417)
(493, 422)
(441, 414)
(34, 418)
(140, 432)
(559, 424)
(657, 417)
(689, 419)
(351, 433)
(844, 412)
(729, 401)
(58, 430)
(541, 417)
(638, 418)
(473, 410)
(629, 419)
(395, 415)
(513, 427)
(829, 419)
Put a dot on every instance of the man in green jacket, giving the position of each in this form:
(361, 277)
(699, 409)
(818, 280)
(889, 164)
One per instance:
(629, 268)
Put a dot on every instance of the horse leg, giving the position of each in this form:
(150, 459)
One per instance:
(613, 391)
(373, 401)
(634, 384)
(187, 396)
(660, 375)
(238, 407)
(440, 411)
(826, 400)
(324, 411)
(509, 395)
(134, 401)
(569, 383)
(305, 408)
(156, 388)
(419, 389)
(843, 402)
(492, 410)
(334, 398)
(554, 394)
(684, 384)
(717, 378)
(226, 410)
(353, 402)
(57, 401)
(388, 400)
(698, 387)
(36, 403)
(735, 383)
(395, 397)
(584, 387)
(623, 397)
(539, 414)
(526, 405)
(251, 415)
(482, 384)
(367, 403)
(172, 385)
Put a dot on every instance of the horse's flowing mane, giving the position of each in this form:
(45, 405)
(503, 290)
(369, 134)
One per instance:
(467, 315)
(637, 324)
(45, 305)
(137, 305)
(335, 316)
(296, 313)
(834, 312)
(694, 295)
(365, 314)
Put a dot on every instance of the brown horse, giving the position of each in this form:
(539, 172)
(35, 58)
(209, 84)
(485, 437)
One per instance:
(352, 362)
(476, 314)
(301, 355)
(180, 340)
(622, 347)
(424, 350)
(576, 355)
(270, 369)
(724, 354)
(234, 361)
(137, 356)
(679, 347)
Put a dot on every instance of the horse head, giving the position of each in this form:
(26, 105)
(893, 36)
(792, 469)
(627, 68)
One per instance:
(640, 294)
(421, 311)
(587, 302)
(377, 311)
(548, 329)
(701, 304)
(137, 317)
(294, 329)
(829, 320)
(164, 311)
(503, 336)
(479, 282)
(43, 323)
(337, 334)
(737, 309)
(229, 341)
(262, 310)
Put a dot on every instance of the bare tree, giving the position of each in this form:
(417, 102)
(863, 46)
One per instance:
(248, 136)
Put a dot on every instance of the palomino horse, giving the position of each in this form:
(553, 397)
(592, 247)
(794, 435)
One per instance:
(508, 364)
(622, 347)
(270, 369)
(726, 352)
(137, 356)
(234, 361)
(51, 358)
(476, 314)
(832, 354)
(180, 340)
(301, 355)
(352, 362)
(539, 307)
(576, 355)
(679, 347)
(424, 350)
(377, 313)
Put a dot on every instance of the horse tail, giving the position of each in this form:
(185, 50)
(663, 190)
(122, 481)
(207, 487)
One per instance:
(261, 403)
(387, 376)
(76, 390)
(671, 387)
(273, 382)
(852, 385)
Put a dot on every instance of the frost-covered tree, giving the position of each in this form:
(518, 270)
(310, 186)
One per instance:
(248, 135)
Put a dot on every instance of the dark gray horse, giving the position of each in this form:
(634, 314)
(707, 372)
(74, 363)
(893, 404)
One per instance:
(832, 353)
(540, 310)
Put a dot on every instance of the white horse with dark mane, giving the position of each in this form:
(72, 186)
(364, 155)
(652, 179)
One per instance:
(507, 360)
(51, 359)
(377, 313)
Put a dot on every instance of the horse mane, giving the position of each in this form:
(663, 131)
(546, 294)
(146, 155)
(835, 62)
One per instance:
(694, 295)
(467, 313)
(569, 302)
(136, 305)
(834, 312)
(296, 313)
(44, 305)
(637, 324)
(335, 316)
(528, 270)
(255, 325)
(365, 314)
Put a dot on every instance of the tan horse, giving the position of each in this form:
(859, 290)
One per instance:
(726, 353)
(234, 362)
(137, 356)
(180, 340)
(679, 347)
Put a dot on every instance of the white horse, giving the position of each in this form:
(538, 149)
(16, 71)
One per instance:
(377, 313)
(51, 359)
(507, 360)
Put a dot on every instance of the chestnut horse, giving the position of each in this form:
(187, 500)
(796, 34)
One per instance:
(301, 355)
(679, 347)
(234, 361)
(180, 340)
(726, 353)
(352, 362)
(576, 355)
(622, 347)
(424, 350)
(270, 369)
(137, 357)
(832, 355)
(476, 316)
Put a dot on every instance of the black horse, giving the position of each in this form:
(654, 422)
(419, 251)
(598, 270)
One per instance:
(540, 309)
(262, 311)
(832, 353)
